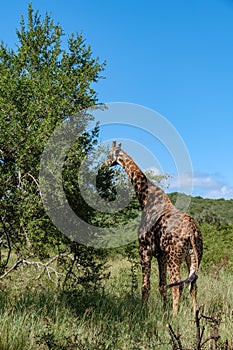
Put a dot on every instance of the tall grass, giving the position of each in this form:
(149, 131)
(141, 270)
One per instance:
(34, 314)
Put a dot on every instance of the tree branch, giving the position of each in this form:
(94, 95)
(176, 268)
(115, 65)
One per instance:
(45, 266)
(14, 267)
(175, 338)
(8, 243)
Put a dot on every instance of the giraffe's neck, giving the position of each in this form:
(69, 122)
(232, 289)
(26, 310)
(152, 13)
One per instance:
(138, 178)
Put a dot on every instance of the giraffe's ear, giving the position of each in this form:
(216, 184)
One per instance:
(113, 145)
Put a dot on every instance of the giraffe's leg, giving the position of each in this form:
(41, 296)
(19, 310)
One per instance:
(162, 264)
(193, 285)
(193, 293)
(145, 256)
(174, 275)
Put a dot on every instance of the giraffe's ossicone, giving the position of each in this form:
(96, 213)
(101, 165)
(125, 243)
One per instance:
(165, 233)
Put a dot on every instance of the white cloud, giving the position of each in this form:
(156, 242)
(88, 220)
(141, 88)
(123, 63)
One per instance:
(197, 184)
(205, 185)
(222, 192)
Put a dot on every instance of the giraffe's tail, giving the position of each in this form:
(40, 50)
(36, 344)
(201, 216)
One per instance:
(190, 279)
(195, 260)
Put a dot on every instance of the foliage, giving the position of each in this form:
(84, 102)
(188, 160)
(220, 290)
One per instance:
(123, 218)
(218, 242)
(41, 86)
(215, 218)
(211, 211)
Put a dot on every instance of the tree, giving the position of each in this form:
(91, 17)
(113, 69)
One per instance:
(41, 85)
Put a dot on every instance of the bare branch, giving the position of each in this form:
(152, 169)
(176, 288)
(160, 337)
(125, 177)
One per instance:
(8, 243)
(211, 337)
(14, 267)
(44, 266)
(34, 179)
(175, 338)
(199, 332)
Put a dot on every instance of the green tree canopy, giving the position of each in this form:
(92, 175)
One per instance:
(41, 85)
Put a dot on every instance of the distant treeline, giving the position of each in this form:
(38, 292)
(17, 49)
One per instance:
(210, 211)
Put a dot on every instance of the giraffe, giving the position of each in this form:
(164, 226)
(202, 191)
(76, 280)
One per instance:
(165, 233)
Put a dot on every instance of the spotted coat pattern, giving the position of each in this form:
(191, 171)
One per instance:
(165, 233)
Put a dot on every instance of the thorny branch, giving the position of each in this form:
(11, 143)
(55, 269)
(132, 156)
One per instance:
(214, 334)
(215, 322)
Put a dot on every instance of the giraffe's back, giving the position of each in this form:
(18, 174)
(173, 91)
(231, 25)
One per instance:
(174, 233)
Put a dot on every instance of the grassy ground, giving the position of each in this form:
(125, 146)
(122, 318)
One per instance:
(34, 314)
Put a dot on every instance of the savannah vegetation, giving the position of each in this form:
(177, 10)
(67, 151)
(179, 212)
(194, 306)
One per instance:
(54, 292)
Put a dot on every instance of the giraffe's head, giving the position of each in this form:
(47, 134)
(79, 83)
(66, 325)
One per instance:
(113, 155)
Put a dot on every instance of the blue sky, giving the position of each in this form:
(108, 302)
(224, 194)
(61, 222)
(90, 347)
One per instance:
(174, 57)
